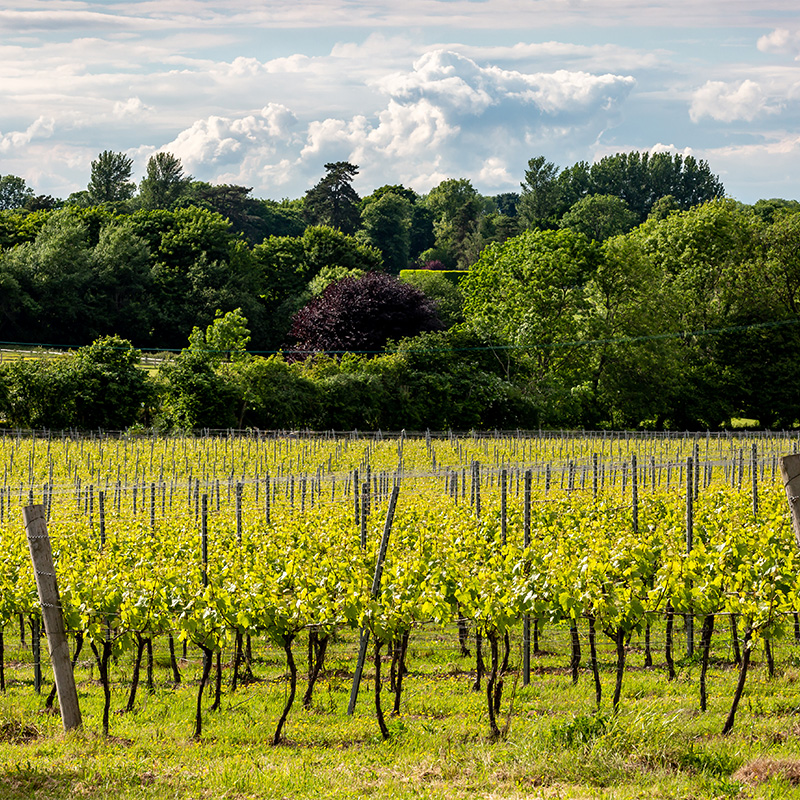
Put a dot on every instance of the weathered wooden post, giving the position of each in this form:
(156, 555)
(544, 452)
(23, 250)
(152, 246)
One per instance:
(376, 585)
(44, 572)
(790, 472)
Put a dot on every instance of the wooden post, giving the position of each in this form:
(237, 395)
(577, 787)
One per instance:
(239, 511)
(47, 588)
(635, 494)
(790, 472)
(503, 506)
(690, 486)
(526, 620)
(376, 585)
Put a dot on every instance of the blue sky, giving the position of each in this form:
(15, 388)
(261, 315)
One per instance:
(264, 93)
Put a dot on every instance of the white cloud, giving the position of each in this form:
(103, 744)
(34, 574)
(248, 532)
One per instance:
(41, 128)
(240, 149)
(495, 173)
(133, 107)
(460, 86)
(447, 114)
(780, 40)
(744, 100)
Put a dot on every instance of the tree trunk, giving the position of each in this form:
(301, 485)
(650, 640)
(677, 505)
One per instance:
(248, 660)
(479, 665)
(198, 716)
(737, 696)
(378, 709)
(620, 642)
(648, 653)
(737, 652)
(668, 644)
(598, 689)
(235, 661)
(218, 683)
(705, 647)
(770, 657)
(463, 637)
(575, 657)
(102, 665)
(287, 648)
(137, 664)
(494, 730)
(317, 647)
(176, 675)
(401, 671)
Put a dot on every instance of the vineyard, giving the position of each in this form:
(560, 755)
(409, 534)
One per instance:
(231, 559)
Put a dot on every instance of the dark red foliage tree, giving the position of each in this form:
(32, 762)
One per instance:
(361, 315)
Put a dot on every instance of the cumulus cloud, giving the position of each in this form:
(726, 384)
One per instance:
(447, 114)
(781, 40)
(133, 107)
(459, 85)
(247, 149)
(728, 102)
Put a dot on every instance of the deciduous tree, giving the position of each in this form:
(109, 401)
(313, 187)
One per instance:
(110, 181)
(361, 315)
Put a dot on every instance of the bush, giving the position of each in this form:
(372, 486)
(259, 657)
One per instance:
(276, 396)
(101, 386)
(362, 315)
(195, 395)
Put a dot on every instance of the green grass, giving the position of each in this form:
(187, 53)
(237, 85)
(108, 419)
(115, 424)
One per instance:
(658, 746)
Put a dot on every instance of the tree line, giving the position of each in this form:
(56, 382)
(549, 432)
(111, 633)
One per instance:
(626, 293)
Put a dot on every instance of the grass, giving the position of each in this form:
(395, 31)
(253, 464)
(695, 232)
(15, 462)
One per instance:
(558, 746)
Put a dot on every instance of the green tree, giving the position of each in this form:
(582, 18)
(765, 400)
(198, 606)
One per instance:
(195, 395)
(444, 293)
(110, 181)
(199, 266)
(225, 339)
(715, 293)
(456, 208)
(164, 183)
(122, 282)
(55, 272)
(599, 216)
(632, 364)
(14, 192)
(249, 217)
(529, 293)
(333, 201)
(541, 194)
(386, 225)
(113, 391)
(288, 264)
(277, 395)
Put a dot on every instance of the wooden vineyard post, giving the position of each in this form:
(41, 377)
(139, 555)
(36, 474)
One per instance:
(635, 494)
(503, 506)
(44, 572)
(790, 472)
(526, 620)
(376, 585)
(689, 546)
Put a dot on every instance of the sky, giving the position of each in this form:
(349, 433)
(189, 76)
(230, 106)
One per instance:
(264, 93)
